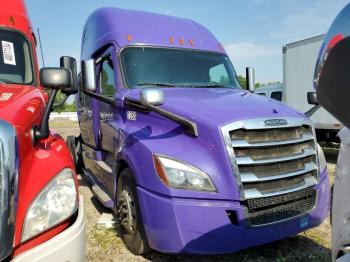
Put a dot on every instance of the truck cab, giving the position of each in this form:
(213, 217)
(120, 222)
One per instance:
(41, 216)
(188, 161)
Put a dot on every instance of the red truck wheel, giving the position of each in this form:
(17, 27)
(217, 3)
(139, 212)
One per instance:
(75, 151)
(129, 216)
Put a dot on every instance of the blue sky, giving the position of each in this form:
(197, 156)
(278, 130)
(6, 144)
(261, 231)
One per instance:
(252, 32)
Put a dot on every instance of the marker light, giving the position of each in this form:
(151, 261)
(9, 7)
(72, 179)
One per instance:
(191, 42)
(171, 40)
(12, 20)
(182, 42)
(129, 38)
(221, 47)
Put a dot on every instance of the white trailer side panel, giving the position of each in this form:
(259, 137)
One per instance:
(299, 60)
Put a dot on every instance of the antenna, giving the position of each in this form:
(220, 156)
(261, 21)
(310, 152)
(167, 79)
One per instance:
(41, 48)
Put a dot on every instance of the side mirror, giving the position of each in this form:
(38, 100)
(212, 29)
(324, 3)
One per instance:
(88, 75)
(250, 79)
(70, 63)
(56, 78)
(312, 98)
(151, 96)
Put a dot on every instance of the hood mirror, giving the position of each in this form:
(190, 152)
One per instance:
(250, 78)
(312, 98)
(151, 96)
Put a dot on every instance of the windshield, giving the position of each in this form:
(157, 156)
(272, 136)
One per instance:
(147, 66)
(15, 59)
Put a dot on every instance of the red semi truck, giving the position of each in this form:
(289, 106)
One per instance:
(41, 215)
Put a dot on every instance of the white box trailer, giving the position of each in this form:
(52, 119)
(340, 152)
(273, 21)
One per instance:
(299, 60)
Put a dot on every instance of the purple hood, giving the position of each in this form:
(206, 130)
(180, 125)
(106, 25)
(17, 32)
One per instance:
(220, 106)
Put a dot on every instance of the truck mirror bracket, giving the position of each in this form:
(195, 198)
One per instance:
(42, 131)
(312, 111)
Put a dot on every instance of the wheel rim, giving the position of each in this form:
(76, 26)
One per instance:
(127, 211)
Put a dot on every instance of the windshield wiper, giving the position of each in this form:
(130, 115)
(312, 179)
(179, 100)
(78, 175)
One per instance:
(208, 85)
(156, 84)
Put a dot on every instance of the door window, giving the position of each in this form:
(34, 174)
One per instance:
(107, 80)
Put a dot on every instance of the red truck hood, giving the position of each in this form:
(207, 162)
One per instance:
(20, 105)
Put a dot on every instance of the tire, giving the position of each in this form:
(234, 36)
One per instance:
(75, 152)
(128, 212)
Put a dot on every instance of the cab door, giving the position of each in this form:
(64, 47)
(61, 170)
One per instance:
(106, 115)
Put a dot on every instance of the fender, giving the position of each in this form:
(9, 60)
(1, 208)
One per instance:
(39, 166)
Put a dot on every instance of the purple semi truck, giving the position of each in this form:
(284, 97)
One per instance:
(188, 161)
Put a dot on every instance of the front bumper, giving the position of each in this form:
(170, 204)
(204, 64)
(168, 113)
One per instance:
(197, 226)
(69, 245)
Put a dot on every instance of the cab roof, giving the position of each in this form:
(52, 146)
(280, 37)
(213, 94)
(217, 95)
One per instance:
(129, 27)
(13, 14)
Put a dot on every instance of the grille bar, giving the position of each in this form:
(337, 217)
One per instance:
(253, 135)
(251, 177)
(255, 193)
(249, 161)
(243, 143)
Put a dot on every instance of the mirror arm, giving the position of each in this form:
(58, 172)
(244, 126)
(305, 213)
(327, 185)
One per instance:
(189, 126)
(61, 103)
(312, 111)
(42, 132)
(106, 99)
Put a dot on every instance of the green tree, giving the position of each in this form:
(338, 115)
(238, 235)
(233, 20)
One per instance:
(107, 84)
(243, 83)
(66, 107)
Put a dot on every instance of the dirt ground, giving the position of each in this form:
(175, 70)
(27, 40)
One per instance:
(105, 245)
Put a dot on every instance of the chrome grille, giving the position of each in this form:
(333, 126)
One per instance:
(273, 161)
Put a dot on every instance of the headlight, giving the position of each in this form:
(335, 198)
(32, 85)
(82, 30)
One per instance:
(54, 204)
(181, 175)
(321, 158)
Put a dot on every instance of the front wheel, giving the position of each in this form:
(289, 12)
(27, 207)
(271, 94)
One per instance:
(74, 147)
(128, 210)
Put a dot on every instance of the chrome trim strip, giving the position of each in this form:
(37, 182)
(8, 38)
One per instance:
(242, 143)
(251, 177)
(249, 161)
(8, 189)
(258, 123)
(254, 193)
